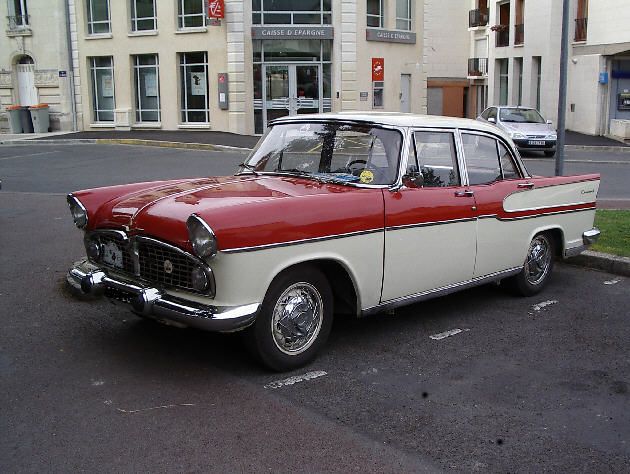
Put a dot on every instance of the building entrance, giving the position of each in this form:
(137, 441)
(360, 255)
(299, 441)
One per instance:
(291, 89)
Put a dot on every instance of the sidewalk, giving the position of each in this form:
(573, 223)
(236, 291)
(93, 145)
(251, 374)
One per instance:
(206, 139)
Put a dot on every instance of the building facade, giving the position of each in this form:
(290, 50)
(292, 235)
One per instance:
(598, 100)
(35, 59)
(164, 64)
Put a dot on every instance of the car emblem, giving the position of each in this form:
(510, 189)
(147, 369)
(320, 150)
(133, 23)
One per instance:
(168, 266)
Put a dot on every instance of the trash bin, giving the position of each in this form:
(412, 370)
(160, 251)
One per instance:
(41, 119)
(25, 119)
(14, 118)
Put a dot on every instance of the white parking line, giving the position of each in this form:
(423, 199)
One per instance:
(30, 154)
(612, 282)
(296, 379)
(539, 306)
(445, 334)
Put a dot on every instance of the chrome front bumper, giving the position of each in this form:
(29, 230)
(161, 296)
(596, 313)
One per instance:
(156, 304)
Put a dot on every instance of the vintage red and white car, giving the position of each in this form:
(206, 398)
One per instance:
(331, 214)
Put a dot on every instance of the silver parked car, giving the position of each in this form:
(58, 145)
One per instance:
(525, 126)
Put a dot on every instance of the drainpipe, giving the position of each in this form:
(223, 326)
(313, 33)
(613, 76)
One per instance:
(73, 100)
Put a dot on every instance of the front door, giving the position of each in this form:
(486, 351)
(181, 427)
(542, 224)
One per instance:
(291, 89)
(26, 84)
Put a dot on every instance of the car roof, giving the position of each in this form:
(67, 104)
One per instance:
(396, 119)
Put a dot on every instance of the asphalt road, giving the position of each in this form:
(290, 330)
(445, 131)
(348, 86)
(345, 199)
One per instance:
(528, 385)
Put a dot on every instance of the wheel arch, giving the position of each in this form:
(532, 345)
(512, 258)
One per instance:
(558, 237)
(346, 295)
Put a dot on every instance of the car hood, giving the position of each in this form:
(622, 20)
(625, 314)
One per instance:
(242, 210)
(528, 128)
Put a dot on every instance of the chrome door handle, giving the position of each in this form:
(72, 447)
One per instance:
(526, 185)
(467, 193)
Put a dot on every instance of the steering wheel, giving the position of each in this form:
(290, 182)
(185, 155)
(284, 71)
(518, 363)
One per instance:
(355, 162)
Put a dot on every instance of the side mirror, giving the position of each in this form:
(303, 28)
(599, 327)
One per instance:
(492, 120)
(549, 122)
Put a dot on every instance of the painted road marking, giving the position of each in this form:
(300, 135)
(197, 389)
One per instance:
(444, 335)
(296, 379)
(612, 282)
(30, 154)
(539, 306)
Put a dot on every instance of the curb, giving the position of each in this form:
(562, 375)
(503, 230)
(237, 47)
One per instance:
(602, 261)
(128, 141)
(624, 149)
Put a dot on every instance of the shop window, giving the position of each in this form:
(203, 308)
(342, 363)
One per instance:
(378, 88)
(403, 15)
(143, 15)
(103, 97)
(375, 17)
(147, 87)
(194, 87)
(190, 14)
(289, 12)
(18, 14)
(98, 17)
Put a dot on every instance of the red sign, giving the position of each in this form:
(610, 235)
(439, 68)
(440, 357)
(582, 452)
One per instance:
(216, 9)
(378, 69)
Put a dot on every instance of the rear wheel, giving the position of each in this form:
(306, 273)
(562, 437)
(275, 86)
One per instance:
(537, 268)
(294, 321)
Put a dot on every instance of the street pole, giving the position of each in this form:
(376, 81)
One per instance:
(562, 93)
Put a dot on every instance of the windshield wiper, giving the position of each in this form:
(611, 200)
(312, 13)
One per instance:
(251, 168)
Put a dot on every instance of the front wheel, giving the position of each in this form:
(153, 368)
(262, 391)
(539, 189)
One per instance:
(294, 321)
(537, 268)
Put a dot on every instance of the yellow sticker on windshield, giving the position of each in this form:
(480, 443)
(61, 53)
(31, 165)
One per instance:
(366, 176)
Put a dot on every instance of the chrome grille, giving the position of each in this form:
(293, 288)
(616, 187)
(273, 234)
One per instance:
(536, 136)
(162, 264)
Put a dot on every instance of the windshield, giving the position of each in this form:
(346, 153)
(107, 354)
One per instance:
(336, 152)
(521, 116)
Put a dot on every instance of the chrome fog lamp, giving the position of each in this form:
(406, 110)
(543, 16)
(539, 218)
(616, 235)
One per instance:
(202, 237)
(78, 211)
(93, 249)
(199, 279)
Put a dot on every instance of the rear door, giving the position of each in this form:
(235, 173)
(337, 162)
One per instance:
(430, 227)
(493, 175)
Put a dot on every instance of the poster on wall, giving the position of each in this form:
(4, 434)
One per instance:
(216, 9)
(150, 84)
(107, 85)
(198, 83)
(378, 69)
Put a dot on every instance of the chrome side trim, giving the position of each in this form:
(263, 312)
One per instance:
(301, 241)
(426, 224)
(445, 290)
(495, 216)
(527, 209)
(153, 303)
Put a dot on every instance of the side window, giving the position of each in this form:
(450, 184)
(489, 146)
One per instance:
(482, 159)
(437, 159)
(486, 114)
(493, 113)
(507, 164)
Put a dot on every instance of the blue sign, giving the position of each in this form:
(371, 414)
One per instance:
(603, 78)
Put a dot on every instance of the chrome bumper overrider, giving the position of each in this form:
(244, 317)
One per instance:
(588, 238)
(154, 303)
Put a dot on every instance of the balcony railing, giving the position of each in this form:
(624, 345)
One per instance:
(502, 36)
(519, 34)
(18, 22)
(478, 67)
(580, 29)
(477, 18)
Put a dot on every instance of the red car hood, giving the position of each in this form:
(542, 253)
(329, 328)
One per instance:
(242, 210)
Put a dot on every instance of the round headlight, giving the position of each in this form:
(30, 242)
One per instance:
(202, 237)
(78, 211)
(199, 279)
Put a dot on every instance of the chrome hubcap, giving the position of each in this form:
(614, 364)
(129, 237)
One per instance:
(538, 260)
(297, 318)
